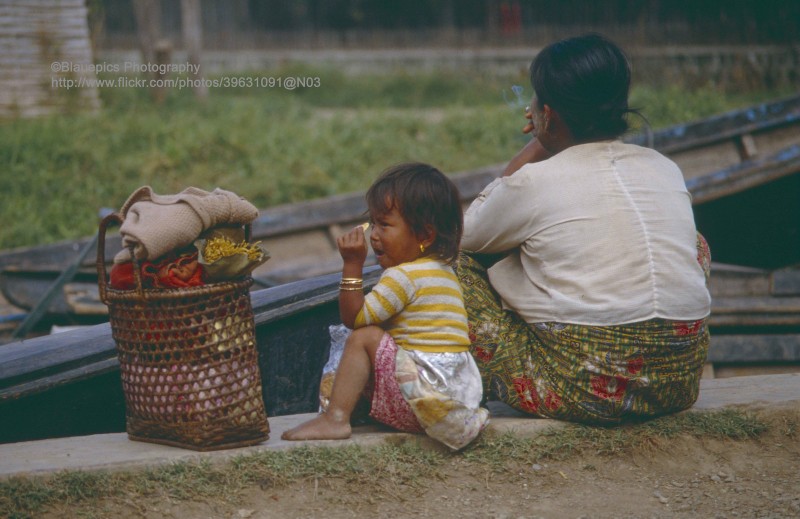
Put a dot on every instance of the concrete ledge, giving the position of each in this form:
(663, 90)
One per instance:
(116, 452)
(764, 390)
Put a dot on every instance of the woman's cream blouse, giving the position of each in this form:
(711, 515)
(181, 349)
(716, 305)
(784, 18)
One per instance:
(600, 234)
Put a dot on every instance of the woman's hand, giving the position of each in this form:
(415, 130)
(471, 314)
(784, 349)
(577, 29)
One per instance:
(533, 151)
(528, 128)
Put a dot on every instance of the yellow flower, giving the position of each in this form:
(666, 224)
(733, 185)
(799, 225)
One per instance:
(220, 247)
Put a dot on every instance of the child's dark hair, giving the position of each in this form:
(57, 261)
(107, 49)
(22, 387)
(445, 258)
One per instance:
(424, 196)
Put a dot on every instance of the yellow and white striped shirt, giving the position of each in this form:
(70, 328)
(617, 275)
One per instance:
(420, 304)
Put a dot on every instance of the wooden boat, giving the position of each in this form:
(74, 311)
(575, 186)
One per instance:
(753, 153)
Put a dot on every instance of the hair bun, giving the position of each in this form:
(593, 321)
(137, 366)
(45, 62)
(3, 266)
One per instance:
(587, 81)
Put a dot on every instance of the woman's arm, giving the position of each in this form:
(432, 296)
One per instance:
(496, 224)
(501, 218)
(533, 151)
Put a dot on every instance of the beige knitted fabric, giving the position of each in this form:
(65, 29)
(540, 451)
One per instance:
(157, 224)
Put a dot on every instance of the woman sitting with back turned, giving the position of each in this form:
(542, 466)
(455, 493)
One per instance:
(596, 309)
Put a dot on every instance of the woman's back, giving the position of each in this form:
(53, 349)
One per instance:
(605, 234)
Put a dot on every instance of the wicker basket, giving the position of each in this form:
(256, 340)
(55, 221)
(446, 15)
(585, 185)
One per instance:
(188, 361)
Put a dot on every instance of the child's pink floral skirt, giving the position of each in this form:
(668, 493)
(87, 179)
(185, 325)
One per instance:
(388, 404)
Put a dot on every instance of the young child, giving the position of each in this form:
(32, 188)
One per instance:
(409, 346)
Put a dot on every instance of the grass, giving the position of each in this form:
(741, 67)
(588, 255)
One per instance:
(270, 145)
(385, 467)
(575, 440)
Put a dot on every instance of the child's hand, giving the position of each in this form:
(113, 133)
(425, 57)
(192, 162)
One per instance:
(353, 246)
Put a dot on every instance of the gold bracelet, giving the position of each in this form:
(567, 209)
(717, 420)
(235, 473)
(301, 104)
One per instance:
(350, 289)
(350, 281)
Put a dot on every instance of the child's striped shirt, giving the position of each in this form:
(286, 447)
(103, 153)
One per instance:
(420, 304)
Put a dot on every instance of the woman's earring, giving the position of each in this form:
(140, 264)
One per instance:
(546, 125)
(545, 119)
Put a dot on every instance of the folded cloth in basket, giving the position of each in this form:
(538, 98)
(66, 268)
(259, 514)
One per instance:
(156, 224)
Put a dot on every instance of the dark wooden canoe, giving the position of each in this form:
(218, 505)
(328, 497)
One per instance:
(721, 157)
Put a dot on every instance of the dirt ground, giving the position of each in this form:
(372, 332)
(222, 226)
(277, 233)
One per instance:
(682, 478)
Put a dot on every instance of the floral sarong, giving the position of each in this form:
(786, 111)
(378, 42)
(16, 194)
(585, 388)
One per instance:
(580, 373)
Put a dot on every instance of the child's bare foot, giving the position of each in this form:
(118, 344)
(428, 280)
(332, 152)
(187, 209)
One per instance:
(323, 427)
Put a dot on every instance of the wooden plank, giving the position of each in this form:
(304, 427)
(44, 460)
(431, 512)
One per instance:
(53, 256)
(34, 359)
(785, 282)
(748, 349)
(744, 176)
(776, 139)
(84, 299)
(735, 280)
(719, 392)
(24, 289)
(349, 208)
(747, 146)
(81, 298)
(761, 369)
(755, 311)
(61, 378)
(783, 112)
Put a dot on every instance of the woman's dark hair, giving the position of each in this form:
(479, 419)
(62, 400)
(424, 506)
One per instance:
(424, 196)
(586, 80)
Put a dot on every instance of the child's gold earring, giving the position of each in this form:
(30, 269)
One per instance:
(421, 249)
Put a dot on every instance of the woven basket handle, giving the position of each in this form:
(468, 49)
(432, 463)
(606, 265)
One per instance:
(102, 275)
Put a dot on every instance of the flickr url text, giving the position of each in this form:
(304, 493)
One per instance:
(284, 82)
